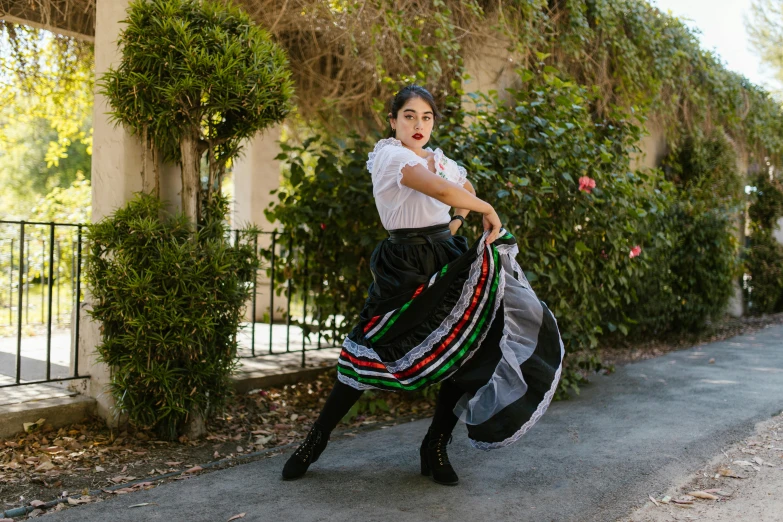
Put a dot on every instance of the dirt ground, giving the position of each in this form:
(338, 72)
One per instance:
(48, 463)
(745, 481)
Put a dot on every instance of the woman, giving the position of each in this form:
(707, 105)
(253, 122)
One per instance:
(439, 310)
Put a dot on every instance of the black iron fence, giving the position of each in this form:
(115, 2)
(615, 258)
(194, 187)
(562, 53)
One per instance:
(41, 264)
(41, 274)
(315, 329)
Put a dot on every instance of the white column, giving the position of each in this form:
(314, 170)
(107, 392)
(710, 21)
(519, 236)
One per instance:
(736, 307)
(256, 173)
(116, 156)
(116, 175)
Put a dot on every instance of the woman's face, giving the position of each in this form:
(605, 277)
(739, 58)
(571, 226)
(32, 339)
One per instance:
(414, 123)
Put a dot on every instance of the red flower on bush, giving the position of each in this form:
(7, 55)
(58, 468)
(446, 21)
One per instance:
(586, 184)
(635, 251)
(323, 226)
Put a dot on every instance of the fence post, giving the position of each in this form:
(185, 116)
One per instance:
(19, 307)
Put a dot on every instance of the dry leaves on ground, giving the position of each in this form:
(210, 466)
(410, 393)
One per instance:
(719, 481)
(47, 463)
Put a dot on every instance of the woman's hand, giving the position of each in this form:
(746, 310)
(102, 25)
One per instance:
(492, 225)
(454, 226)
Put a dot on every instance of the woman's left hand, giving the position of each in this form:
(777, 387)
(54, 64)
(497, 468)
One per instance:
(454, 226)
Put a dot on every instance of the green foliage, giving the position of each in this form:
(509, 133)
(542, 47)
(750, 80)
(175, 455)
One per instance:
(764, 257)
(694, 269)
(526, 157)
(46, 85)
(590, 74)
(527, 154)
(705, 170)
(66, 205)
(196, 76)
(369, 402)
(764, 265)
(696, 253)
(170, 302)
(766, 206)
(196, 65)
(326, 205)
(645, 61)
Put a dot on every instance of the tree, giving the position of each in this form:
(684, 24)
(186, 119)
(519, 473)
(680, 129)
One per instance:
(46, 85)
(196, 77)
(765, 28)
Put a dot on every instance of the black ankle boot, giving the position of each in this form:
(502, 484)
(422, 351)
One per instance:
(306, 454)
(435, 459)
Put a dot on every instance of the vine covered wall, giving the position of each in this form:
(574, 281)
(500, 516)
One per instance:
(553, 153)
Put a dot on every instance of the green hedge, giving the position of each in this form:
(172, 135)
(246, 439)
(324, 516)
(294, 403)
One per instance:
(764, 256)
(590, 74)
(696, 254)
(692, 275)
(170, 302)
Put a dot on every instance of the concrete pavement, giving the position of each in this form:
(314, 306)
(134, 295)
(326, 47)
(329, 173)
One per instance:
(593, 458)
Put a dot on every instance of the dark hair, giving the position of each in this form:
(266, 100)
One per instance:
(413, 91)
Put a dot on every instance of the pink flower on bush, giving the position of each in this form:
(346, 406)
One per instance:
(635, 251)
(586, 184)
(509, 184)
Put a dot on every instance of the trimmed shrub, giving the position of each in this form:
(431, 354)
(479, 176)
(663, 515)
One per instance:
(170, 302)
(195, 79)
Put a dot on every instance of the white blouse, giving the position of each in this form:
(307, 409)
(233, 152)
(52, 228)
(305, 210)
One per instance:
(400, 206)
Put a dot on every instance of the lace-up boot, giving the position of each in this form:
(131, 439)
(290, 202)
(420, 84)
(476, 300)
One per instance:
(435, 458)
(307, 453)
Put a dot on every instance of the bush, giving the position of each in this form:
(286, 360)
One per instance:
(170, 302)
(693, 274)
(530, 158)
(764, 265)
(764, 261)
(695, 256)
(526, 158)
(766, 206)
(326, 204)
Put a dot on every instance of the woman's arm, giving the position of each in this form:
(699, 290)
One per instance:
(419, 177)
(456, 223)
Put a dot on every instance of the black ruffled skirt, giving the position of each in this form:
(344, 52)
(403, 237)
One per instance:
(444, 309)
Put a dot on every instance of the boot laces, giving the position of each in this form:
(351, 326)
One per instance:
(440, 449)
(305, 451)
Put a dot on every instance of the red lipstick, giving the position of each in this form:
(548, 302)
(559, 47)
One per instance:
(417, 136)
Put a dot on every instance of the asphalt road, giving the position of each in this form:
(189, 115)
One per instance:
(593, 458)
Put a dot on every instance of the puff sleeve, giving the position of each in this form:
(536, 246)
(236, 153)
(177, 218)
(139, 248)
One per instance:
(385, 164)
